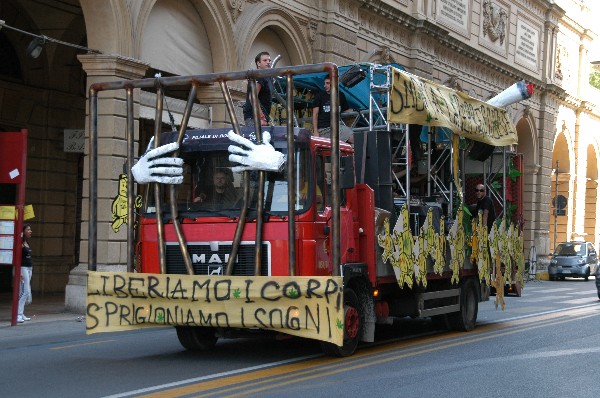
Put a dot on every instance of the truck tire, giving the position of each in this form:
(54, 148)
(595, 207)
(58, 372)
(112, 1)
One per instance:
(353, 327)
(465, 319)
(196, 338)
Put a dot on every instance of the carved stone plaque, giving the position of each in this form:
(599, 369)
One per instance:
(527, 45)
(454, 14)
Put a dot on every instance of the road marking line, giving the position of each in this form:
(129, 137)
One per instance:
(242, 390)
(558, 289)
(80, 345)
(273, 369)
(579, 300)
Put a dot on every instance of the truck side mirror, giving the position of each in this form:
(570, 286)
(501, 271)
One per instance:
(346, 172)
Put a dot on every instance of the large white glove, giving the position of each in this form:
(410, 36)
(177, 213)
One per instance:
(254, 157)
(155, 167)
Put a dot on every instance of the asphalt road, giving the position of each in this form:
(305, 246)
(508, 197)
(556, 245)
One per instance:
(544, 344)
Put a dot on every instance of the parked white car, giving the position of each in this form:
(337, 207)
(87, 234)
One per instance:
(573, 259)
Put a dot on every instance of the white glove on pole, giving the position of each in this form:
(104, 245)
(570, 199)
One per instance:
(155, 167)
(254, 157)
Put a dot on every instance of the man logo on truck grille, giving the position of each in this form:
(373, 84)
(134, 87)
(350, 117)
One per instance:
(214, 259)
(215, 270)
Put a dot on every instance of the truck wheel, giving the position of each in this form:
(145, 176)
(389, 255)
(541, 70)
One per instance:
(465, 319)
(353, 327)
(196, 338)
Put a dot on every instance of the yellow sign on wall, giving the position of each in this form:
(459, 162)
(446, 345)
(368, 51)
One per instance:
(28, 212)
(420, 101)
(7, 212)
(310, 307)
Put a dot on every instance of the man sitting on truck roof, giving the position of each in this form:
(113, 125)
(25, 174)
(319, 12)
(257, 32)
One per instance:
(321, 116)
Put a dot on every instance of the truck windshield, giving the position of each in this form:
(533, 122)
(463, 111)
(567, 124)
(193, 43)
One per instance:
(212, 188)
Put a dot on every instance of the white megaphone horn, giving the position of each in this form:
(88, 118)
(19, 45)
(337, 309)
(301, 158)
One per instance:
(515, 93)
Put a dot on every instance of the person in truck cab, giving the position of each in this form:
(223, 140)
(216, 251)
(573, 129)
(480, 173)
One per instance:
(222, 193)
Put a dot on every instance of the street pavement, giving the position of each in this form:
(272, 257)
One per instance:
(50, 322)
(48, 319)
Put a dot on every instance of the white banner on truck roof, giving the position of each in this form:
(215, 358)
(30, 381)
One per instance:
(416, 100)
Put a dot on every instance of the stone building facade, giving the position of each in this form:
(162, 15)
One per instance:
(479, 46)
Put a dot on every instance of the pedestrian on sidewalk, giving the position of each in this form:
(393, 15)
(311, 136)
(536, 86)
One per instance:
(26, 271)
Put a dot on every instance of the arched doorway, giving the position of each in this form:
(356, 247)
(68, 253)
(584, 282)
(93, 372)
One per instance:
(269, 40)
(163, 46)
(527, 146)
(46, 96)
(561, 185)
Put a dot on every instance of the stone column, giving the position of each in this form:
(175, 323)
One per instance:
(542, 196)
(112, 155)
(580, 182)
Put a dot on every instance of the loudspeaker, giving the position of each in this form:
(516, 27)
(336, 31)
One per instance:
(480, 151)
(373, 165)
(352, 76)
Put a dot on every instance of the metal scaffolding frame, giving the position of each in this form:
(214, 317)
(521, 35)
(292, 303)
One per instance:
(194, 82)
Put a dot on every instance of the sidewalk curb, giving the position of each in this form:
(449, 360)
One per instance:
(45, 318)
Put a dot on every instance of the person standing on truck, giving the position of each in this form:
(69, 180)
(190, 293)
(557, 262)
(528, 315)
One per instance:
(321, 116)
(264, 88)
(486, 206)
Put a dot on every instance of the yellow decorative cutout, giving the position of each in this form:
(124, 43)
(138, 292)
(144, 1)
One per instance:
(397, 248)
(119, 204)
(456, 239)
(519, 257)
(495, 254)
(483, 258)
(497, 281)
(440, 249)
(420, 255)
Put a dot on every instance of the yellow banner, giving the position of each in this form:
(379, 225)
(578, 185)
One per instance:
(419, 101)
(7, 213)
(310, 307)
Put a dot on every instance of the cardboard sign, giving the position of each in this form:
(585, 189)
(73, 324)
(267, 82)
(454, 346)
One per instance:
(419, 101)
(310, 307)
(28, 213)
(7, 212)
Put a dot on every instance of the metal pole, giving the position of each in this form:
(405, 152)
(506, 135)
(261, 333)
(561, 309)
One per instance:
(239, 229)
(157, 187)
(93, 180)
(172, 190)
(18, 229)
(555, 203)
(291, 176)
(256, 108)
(335, 173)
(130, 187)
(504, 179)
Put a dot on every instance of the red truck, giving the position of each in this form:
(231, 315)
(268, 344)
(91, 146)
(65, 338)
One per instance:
(386, 218)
